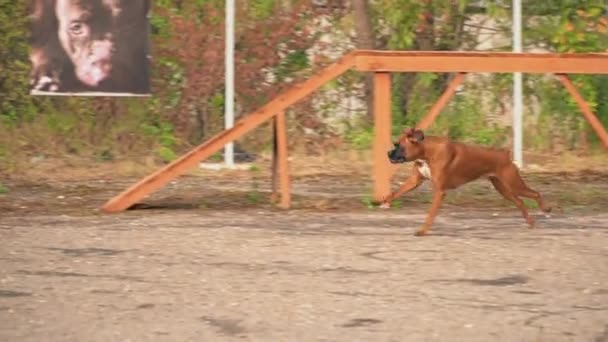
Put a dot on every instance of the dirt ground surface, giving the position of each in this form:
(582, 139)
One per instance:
(213, 260)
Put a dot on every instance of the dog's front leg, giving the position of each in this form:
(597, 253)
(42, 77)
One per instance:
(438, 196)
(410, 184)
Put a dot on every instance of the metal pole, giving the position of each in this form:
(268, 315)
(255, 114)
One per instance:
(229, 96)
(517, 89)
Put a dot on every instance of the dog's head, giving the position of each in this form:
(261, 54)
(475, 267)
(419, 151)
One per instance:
(409, 146)
(86, 34)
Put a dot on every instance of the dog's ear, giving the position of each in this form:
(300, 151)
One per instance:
(414, 135)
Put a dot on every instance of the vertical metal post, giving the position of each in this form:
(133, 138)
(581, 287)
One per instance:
(517, 89)
(229, 75)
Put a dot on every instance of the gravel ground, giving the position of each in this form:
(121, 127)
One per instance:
(233, 268)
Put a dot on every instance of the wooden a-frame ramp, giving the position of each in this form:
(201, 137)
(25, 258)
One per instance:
(381, 63)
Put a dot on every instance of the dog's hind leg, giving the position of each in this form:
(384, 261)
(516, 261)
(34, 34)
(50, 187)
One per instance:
(519, 188)
(508, 194)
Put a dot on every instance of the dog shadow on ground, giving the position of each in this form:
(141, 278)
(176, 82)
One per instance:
(504, 227)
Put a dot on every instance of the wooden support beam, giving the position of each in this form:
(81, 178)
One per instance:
(274, 196)
(162, 176)
(382, 135)
(499, 62)
(283, 163)
(441, 102)
(585, 109)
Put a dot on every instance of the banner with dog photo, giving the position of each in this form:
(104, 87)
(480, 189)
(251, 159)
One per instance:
(90, 47)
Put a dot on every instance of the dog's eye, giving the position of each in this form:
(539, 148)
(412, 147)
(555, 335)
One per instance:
(76, 28)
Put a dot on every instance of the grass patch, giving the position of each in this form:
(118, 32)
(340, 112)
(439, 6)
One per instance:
(254, 197)
(531, 204)
(368, 202)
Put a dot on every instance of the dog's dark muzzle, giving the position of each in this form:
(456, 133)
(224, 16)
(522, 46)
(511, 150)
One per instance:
(397, 155)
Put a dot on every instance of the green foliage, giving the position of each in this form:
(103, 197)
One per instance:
(262, 9)
(216, 157)
(531, 204)
(567, 26)
(106, 128)
(464, 122)
(368, 201)
(166, 154)
(396, 204)
(292, 63)
(360, 137)
(401, 22)
(3, 189)
(15, 103)
(160, 26)
(560, 25)
(163, 131)
(254, 197)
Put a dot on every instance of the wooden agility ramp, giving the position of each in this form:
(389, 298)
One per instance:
(382, 63)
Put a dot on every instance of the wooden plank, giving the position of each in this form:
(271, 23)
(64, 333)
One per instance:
(501, 54)
(441, 102)
(382, 135)
(283, 164)
(165, 174)
(507, 62)
(585, 109)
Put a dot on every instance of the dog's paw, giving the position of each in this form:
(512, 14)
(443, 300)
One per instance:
(420, 233)
(384, 205)
(43, 78)
(45, 83)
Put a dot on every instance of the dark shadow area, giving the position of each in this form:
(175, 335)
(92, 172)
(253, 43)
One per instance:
(503, 281)
(225, 326)
(13, 294)
(163, 206)
(80, 252)
(78, 275)
(361, 322)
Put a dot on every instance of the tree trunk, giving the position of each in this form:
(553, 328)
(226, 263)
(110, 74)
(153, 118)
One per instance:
(365, 40)
(425, 40)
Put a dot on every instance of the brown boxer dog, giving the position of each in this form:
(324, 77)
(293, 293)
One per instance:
(449, 164)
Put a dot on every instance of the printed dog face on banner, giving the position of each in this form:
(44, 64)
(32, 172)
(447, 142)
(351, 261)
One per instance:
(90, 47)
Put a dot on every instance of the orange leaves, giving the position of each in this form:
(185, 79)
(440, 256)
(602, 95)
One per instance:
(602, 25)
